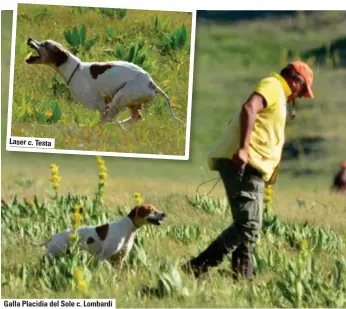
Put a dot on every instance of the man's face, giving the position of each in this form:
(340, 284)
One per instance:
(298, 88)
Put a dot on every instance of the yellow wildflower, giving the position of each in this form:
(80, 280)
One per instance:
(77, 219)
(78, 208)
(78, 274)
(100, 161)
(138, 198)
(49, 113)
(72, 237)
(53, 165)
(304, 244)
(268, 190)
(267, 199)
(166, 83)
(103, 176)
(103, 170)
(174, 101)
(55, 178)
(82, 285)
(102, 167)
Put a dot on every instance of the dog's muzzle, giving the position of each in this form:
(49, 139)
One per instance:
(157, 218)
(35, 46)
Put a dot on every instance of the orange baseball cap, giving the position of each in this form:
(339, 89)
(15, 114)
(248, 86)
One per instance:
(305, 71)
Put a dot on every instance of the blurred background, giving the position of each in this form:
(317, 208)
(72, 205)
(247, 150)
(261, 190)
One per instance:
(233, 51)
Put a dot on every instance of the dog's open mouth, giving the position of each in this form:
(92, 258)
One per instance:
(36, 48)
(156, 219)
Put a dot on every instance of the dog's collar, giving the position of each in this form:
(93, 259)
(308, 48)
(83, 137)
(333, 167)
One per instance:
(74, 71)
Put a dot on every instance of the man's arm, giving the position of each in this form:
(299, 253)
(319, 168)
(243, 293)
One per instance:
(250, 108)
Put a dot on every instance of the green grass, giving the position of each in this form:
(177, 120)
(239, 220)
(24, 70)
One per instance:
(229, 60)
(44, 107)
(152, 277)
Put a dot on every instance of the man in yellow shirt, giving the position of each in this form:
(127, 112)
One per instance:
(246, 158)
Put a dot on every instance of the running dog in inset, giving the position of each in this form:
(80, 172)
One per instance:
(108, 87)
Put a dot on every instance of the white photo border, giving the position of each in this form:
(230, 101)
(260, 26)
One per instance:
(161, 7)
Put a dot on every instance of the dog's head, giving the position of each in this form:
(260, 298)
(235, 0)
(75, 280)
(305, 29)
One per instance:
(146, 214)
(48, 52)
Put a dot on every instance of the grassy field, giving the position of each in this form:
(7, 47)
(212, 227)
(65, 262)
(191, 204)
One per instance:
(44, 107)
(300, 259)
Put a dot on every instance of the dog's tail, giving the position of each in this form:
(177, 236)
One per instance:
(159, 91)
(37, 244)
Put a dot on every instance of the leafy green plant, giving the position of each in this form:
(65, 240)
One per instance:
(158, 26)
(294, 233)
(302, 284)
(138, 258)
(44, 112)
(169, 44)
(169, 284)
(121, 13)
(82, 9)
(110, 12)
(184, 234)
(59, 89)
(42, 13)
(76, 38)
(208, 204)
(134, 53)
(113, 36)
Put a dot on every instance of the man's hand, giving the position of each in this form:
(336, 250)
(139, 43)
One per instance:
(241, 157)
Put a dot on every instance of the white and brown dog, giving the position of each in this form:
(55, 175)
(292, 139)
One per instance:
(108, 87)
(111, 241)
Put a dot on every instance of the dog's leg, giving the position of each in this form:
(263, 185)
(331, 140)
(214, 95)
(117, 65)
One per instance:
(135, 116)
(104, 118)
(112, 109)
(137, 91)
(121, 264)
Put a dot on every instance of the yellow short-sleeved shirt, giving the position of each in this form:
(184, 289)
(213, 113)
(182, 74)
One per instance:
(268, 135)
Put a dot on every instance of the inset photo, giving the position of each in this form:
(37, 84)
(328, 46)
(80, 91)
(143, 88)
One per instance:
(97, 80)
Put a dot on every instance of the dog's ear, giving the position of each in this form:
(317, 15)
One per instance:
(133, 213)
(140, 211)
(59, 56)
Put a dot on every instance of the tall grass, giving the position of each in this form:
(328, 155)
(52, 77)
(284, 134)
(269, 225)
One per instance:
(296, 265)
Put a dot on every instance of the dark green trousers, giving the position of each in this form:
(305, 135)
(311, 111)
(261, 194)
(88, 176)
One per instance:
(245, 195)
